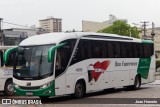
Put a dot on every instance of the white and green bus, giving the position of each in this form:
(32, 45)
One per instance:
(77, 63)
(6, 70)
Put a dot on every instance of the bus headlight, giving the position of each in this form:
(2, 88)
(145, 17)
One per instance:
(15, 85)
(46, 85)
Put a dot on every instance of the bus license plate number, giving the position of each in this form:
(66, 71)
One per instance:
(29, 93)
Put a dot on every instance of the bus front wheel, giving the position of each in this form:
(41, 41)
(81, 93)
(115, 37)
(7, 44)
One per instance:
(8, 88)
(79, 89)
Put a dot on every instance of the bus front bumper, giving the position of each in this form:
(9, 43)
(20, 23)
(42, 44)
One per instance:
(48, 91)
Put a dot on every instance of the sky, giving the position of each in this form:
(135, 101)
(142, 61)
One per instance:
(72, 12)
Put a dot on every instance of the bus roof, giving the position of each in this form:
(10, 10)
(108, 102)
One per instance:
(48, 38)
(54, 38)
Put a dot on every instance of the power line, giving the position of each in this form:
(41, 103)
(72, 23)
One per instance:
(18, 25)
(14, 24)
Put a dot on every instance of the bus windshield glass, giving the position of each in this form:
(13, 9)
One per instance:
(34, 61)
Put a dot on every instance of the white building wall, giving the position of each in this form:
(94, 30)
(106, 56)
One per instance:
(89, 26)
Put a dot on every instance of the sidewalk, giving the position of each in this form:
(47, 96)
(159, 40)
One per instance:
(156, 82)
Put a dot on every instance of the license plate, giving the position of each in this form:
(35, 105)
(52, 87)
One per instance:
(29, 93)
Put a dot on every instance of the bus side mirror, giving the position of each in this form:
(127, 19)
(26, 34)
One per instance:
(7, 52)
(52, 50)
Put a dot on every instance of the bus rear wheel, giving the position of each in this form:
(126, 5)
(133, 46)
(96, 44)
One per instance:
(137, 82)
(79, 90)
(9, 88)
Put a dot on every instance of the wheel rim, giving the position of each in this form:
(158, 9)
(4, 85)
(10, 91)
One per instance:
(79, 89)
(10, 87)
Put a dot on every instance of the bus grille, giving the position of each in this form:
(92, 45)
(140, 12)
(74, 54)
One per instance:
(29, 88)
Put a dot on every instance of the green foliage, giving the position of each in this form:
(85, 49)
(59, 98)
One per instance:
(157, 64)
(121, 28)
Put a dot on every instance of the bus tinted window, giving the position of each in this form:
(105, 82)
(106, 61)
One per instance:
(129, 50)
(98, 49)
(110, 49)
(117, 53)
(124, 50)
(148, 50)
(77, 55)
(106, 49)
(83, 51)
(114, 50)
(86, 49)
(135, 50)
(140, 50)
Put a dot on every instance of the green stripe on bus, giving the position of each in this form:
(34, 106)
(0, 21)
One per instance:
(143, 67)
(147, 41)
(7, 52)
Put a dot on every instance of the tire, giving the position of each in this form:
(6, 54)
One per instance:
(79, 90)
(9, 88)
(137, 82)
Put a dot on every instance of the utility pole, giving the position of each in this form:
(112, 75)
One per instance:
(1, 32)
(152, 33)
(0, 23)
(144, 29)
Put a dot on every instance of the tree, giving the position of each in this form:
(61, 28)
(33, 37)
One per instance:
(121, 28)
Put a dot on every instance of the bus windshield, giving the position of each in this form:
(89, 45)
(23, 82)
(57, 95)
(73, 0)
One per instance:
(34, 61)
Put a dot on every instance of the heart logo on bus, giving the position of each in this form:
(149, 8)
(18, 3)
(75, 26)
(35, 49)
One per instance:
(98, 69)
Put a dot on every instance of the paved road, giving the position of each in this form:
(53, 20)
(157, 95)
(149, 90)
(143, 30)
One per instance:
(100, 98)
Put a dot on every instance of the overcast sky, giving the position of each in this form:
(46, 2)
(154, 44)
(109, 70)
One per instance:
(72, 12)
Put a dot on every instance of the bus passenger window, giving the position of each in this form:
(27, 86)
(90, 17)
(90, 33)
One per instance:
(140, 50)
(86, 49)
(135, 52)
(124, 50)
(117, 53)
(114, 50)
(110, 50)
(98, 51)
(129, 50)
(148, 50)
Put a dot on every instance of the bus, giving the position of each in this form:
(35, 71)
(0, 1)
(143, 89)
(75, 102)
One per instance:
(77, 63)
(6, 71)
